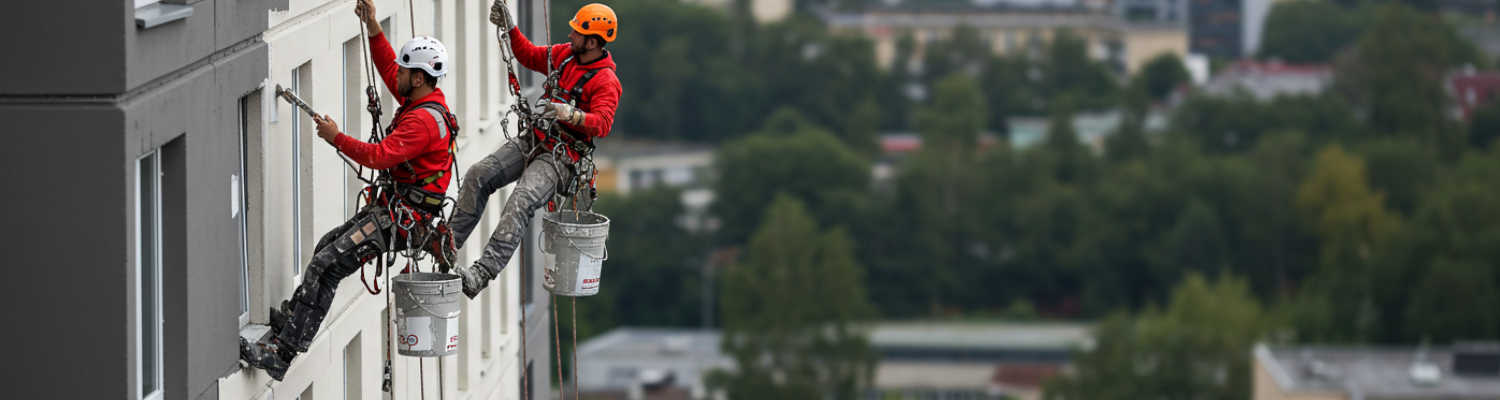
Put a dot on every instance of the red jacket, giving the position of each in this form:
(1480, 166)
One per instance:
(601, 95)
(414, 138)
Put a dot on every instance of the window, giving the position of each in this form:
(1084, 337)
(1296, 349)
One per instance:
(240, 200)
(387, 102)
(352, 364)
(148, 264)
(460, 61)
(524, 22)
(353, 99)
(486, 320)
(486, 70)
(300, 124)
(437, 20)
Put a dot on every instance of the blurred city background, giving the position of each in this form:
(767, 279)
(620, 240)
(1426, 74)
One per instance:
(1061, 199)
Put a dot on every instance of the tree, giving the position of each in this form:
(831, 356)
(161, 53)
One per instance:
(1129, 138)
(1393, 75)
(807, 163)
(1069, 72)
(1161, 75)
(954, 118)
(1196, 348)
(936, 185)
(1073, 162)
(1347, 215)
(1309, 31)
(1350, 220)
(1484, 126)
(789, 309)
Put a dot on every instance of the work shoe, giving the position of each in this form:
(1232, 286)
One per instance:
(265, 355)
(279, 316)
(442, 248)
(476, 278)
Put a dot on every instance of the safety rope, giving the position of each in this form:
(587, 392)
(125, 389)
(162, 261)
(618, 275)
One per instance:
(557, 347)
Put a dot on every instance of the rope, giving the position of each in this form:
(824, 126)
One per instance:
(575, 347)
(557, 346)
(525, 364)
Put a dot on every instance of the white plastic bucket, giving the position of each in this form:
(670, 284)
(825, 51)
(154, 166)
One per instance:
(573, 252)
(427, 313)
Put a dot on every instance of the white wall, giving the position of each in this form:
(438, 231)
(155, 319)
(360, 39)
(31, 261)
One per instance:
(315, 31)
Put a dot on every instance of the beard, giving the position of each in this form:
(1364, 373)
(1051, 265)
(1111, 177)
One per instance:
(577, 51)
(404, 88)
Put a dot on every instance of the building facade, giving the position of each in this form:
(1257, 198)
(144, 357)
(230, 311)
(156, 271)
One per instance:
(192, 198)
(1023, 28)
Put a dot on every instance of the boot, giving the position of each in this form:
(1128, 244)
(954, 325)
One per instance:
(265, 354)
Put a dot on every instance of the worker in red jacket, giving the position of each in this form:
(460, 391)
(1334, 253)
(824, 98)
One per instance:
(416, 151)
(583, 102)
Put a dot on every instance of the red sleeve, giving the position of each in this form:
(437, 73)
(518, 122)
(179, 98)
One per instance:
(531, 56)
(384, 58)
(604, 97)
(406, 142)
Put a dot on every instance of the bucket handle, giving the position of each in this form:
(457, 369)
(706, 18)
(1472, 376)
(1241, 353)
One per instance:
(543, 245)
(418, 303)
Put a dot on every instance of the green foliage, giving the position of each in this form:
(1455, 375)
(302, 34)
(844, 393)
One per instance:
(951, 123)
(1347, 215)
(1235, 123)
(1161, 75)
(791, 157)
(1484, 125)
(1310, 31)
(1196, 348)
(789, 308)
(1402, 57)
(694, 73)
(1070, 73)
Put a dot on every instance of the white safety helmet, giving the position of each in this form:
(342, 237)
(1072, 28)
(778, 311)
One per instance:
(425, 53)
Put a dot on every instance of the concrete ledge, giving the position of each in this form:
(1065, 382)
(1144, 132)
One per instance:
(152, 15)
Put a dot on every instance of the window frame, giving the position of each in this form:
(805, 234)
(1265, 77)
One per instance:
(157, 373)
(299, 252)
(242, 200)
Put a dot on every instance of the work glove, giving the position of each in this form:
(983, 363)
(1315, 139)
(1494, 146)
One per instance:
(500, 15)
(564, 112)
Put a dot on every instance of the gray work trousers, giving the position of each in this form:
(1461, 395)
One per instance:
(536, 182)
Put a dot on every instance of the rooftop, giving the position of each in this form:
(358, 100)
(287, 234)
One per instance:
(620, 149)
(1373, 372)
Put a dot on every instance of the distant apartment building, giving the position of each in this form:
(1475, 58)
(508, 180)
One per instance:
(632, 165)
(920, 359)
(1020, 27)
(190, 199)
(1265, 80)
(1470, 90)
(764, 11)
(1459, 372)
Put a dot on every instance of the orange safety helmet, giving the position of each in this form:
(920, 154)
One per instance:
(595, 19)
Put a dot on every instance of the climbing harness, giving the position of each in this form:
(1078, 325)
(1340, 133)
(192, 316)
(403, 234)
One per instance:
(565, 145)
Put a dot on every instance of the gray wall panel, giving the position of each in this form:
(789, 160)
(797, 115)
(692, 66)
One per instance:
(74, 47)
(68, 272)
(157, 52)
